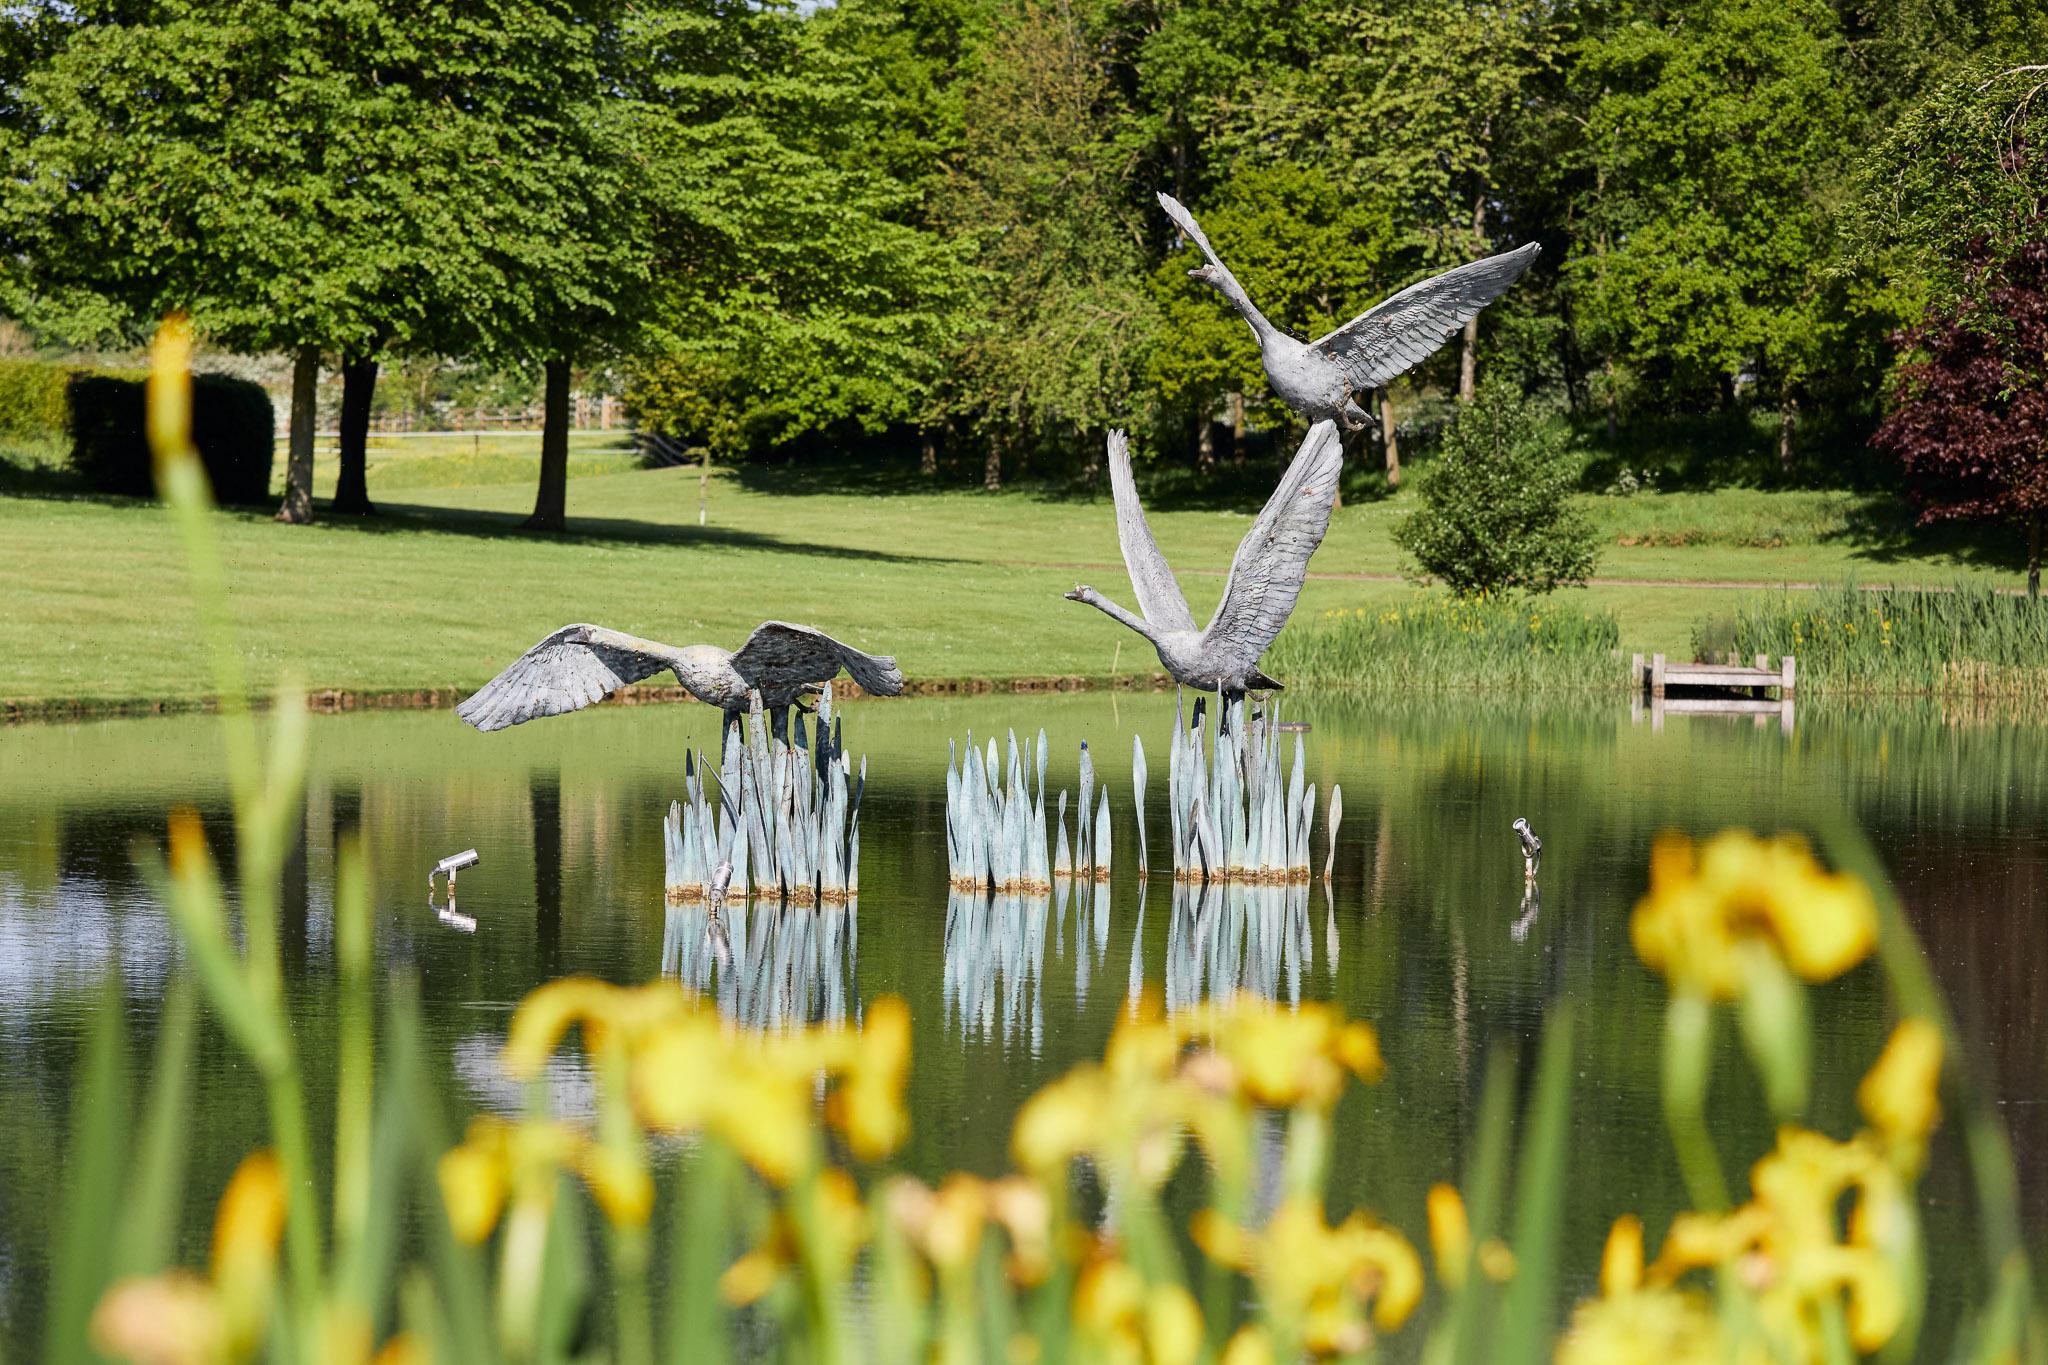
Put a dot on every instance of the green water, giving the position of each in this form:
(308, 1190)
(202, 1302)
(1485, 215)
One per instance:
(1425, 932)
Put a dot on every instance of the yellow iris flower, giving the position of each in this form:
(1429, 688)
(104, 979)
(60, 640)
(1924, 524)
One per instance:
(1706, 903)
(1317, 1278)
(177, 1317)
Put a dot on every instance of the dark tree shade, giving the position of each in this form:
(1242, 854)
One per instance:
(1970, 420)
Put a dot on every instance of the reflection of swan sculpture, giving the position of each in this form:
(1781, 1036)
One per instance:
(1323, 379)
(1265, 577)
(578, 665)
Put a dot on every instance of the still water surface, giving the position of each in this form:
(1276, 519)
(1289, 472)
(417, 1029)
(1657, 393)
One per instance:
(1426, 931)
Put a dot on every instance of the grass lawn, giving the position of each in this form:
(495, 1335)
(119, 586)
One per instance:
(442, 590)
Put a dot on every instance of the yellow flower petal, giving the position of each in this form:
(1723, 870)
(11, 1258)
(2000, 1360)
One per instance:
(1173, 1325)
(1900, 1095)
(1621, 1263)
(168, 1319)
(1450, 1234)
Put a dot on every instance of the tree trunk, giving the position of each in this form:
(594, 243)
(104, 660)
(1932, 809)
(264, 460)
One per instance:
(927, 454)
(297, 508)
(1391, 436)
(1788, 420)
(1205, 445)
(992, 465)
(2033, 554)
(1237, 430)
(551, 504)
(358, 386)
(1613, 405)
(1468, 362)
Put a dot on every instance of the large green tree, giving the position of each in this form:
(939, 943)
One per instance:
(1060, 318)
(322, 177)
(799, 284)
(1717, 138)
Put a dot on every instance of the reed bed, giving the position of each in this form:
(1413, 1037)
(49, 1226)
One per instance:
(1968, 644)
(1436, 642)
(784, 817)
(1231, 818)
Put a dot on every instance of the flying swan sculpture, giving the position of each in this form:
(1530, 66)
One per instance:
(582, 664)
(1265, 577)
(1323, 379)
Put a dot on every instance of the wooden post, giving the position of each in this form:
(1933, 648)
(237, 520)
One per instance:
(1763, 661)
(1656, 675)
(1636, 677)
(1788, 676)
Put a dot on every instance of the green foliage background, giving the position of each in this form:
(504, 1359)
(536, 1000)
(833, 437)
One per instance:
(888, 223)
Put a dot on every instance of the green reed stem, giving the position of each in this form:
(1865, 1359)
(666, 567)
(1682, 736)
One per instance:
(1688, 1062)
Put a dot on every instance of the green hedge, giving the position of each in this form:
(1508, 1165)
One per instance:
(232, 425)
(32, 402)
(101, 413)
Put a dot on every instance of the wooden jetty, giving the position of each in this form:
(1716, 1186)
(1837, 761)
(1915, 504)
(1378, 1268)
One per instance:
(1720, 680)
(1726, 688)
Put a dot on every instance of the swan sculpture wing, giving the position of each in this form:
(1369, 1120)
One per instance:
(569, 670)
(1272, 560)
(779, 654)
(1406, 330)
(1159, 594)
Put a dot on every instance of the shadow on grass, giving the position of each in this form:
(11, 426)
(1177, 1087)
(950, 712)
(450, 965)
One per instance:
(398, 517)
(1883, 530)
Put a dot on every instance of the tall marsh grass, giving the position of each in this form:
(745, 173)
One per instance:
(1968, 644)
(1437, 642)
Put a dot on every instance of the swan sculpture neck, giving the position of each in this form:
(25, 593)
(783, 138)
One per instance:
(1112, 610)
(1225, 283)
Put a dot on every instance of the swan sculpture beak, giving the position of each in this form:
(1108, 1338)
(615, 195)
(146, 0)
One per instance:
(1079, 594)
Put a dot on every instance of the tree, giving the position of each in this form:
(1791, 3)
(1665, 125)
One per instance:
(1719, 137)
(797, 286)
(1496, 513)
(1970, 421)
(1060, 316)
(1964, 168)
(315, 178)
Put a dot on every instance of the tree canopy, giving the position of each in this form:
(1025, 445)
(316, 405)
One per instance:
(879, 219)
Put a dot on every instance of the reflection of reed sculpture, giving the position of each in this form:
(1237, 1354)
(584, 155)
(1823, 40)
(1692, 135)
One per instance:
(1265, 577)
(1324, 379)
(1225, 939)
(767, 966)
(996, 948)
(578, 665)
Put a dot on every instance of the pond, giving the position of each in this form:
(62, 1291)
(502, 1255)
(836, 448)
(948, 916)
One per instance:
(1425, 931)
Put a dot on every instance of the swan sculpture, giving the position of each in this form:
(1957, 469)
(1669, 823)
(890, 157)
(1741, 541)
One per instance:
(1323, 379)
(1265, 577)
(581, 664)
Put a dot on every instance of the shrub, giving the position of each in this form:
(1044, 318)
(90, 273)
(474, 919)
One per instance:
(1437, 642)
(32, 403)
(1496, 512)
(232, 425)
